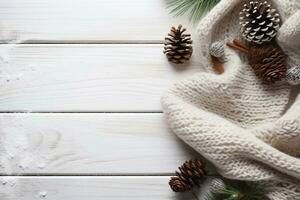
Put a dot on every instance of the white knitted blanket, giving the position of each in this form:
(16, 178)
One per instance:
(248, 130)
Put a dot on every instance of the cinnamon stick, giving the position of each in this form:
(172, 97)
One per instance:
(236, 47)
(240, 44)
(217, 65)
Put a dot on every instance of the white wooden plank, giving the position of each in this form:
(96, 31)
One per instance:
(89, 144)
(89, 188)
(86, 78)
(85, 20)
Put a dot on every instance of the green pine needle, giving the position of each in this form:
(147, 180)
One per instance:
(238, 190)
(195, 8)
(243, 191)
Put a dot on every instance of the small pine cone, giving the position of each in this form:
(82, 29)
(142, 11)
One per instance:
(190, 174)
(178, 46)
(217, 185)
(217, 49)
(268, 62)
(260, 22)
(293, 75)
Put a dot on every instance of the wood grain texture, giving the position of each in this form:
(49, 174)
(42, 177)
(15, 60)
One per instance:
(86, 78)
(98, 144)
(85, 20)
(101, 149)
(91, 188)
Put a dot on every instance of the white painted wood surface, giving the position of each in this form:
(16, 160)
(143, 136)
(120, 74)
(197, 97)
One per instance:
(86, 78)
(119, 144)
(85, 20)
(89, 188)
(93, 77)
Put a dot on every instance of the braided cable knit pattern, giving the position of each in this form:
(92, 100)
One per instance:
(247, 129)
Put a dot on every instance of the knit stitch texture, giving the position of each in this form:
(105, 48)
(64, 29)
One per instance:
(249, 130)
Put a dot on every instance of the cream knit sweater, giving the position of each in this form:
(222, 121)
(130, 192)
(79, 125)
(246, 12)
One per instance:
(248, 130)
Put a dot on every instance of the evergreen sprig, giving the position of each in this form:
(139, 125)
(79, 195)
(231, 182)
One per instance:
(242, 191)
(233, 190)
(195, 8)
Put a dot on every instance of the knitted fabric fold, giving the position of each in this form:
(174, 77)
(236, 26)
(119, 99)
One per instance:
(247, 129)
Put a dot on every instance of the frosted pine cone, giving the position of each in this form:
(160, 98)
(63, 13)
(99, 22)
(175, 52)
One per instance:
(216, 185)
(217, 49)
(260, 22)
(293, 76)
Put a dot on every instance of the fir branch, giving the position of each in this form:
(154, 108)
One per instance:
(236, 190)
(243, 191)
(195, 8)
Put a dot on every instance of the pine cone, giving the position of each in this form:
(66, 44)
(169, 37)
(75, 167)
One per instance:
(217, 185)
(268, 62)
(178, 46)
(260, 22)
(293, 75)
(190, 174)
(217, 49)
